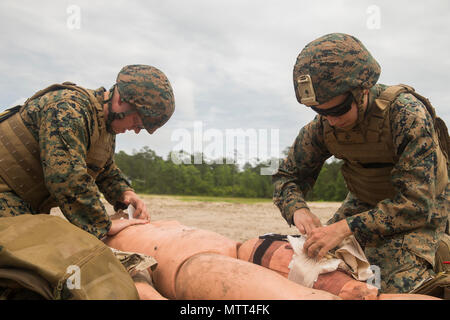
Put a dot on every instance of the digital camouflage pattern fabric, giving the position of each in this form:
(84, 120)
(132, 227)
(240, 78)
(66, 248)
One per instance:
(399, 235)
(336, 63)
(149, 90)
(63, 122)
(401, 269)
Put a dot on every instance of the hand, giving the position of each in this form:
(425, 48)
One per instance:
(323, 239)
(306, 221)
(129, 197)
(120, 224)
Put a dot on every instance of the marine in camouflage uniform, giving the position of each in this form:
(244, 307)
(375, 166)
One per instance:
(397, 207)
(58, 150)
(64, 122)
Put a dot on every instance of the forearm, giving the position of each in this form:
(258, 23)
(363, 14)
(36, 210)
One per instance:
(298, 172)
(292, 185)
(89, 215)
(412, 208)
(288, 198)
(112, 183)
(78, 198)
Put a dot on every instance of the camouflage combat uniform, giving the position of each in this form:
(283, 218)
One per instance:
(406, 228)
(58, 150)
(399, 233)
(63, 123)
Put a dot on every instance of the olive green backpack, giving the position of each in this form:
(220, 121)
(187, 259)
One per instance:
(53, 259)
(389, 95)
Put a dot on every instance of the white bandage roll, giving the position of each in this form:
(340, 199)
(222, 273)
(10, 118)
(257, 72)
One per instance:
(130, 211)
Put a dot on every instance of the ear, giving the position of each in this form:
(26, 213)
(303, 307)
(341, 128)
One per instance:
(116, 96)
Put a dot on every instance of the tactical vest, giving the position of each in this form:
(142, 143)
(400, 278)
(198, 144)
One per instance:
(20, 163)
(369, 154)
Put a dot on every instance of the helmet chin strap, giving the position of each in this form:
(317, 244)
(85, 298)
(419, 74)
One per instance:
(114, 115)
(359, 96)
(360, 100)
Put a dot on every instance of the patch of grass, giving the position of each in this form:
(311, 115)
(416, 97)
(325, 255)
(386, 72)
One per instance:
(223, 199)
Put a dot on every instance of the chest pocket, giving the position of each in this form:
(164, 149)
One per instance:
(99, 153)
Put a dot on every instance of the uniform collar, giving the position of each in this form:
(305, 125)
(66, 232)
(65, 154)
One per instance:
(100, 96)
(375, 92)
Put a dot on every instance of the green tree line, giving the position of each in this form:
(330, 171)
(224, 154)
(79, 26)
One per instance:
(152, 174)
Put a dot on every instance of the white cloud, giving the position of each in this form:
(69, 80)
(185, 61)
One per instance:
(230, 62)
(184, 91)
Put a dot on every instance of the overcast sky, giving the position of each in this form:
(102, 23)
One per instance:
(230, 62)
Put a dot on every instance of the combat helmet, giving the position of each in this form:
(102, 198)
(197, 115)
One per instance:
(332, 65)
(149, 90)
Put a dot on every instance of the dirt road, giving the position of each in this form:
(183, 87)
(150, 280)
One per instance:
(234, 220)
(237, 221)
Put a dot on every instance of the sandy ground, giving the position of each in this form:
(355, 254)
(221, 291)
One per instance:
(234, 220)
